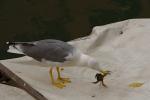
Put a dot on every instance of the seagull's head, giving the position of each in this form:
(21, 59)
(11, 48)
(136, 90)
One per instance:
(96, 66)
(93, 63)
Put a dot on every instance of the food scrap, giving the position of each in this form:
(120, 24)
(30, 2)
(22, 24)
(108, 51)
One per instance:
(135, 84)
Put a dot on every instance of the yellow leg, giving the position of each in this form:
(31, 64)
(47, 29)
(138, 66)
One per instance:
(55, 83)
(63, 80)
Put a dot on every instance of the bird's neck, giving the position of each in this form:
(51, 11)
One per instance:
(87, 61)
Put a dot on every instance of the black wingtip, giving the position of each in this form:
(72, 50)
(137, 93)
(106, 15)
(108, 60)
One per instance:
(22, 43)
(10, 43)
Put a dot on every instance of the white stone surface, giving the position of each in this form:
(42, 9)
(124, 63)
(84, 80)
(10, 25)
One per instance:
(127, 55)
(13, 93)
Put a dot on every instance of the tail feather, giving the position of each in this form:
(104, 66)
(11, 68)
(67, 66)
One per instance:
(14, 47)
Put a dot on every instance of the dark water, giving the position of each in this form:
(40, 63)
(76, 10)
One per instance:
(30, 20)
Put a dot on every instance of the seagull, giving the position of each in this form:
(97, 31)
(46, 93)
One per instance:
(55, 53)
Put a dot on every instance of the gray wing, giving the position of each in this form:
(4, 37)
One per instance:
(53, 50)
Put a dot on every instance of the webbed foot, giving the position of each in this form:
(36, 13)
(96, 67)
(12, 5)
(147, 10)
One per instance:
(64, 80)
(58, 84)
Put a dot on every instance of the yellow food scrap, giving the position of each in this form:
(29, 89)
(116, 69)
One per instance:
(135, 84)
(104, 72)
